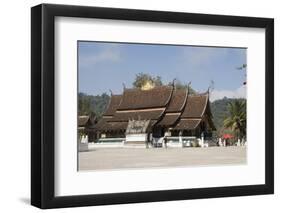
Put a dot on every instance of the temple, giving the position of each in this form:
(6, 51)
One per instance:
(145, 115)
(85, 126)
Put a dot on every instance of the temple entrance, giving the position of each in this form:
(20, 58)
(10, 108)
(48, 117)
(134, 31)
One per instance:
(158, 132)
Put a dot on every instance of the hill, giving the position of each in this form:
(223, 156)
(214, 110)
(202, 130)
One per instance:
(219, 110)
(92, 103)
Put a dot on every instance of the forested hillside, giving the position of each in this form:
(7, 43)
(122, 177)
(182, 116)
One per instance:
(92, 103)
(220, 111)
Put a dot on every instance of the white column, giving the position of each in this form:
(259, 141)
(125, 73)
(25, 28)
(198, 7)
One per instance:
(202, 140)
(238, 142)
(180, 138)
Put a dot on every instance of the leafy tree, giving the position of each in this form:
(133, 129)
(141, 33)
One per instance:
(142, 78)
(219, 109)
(84, 104)
(180, 85)
(236, 121)
(88, 104)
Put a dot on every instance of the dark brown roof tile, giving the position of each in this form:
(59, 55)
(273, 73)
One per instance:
(188, 124)
(142, 115)
(195, 106)
(177, 101)
(112, 126)
(106, 125)
(141, 99)
(169, 120)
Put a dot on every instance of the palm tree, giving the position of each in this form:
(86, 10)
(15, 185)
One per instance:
(237, 118)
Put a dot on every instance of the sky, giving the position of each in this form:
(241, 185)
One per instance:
(106, 66)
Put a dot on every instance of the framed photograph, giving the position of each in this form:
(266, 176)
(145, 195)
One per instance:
(136, 106)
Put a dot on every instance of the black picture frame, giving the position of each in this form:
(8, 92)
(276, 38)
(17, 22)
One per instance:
(43, 105)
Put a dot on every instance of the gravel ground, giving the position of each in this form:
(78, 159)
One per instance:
(121, 158)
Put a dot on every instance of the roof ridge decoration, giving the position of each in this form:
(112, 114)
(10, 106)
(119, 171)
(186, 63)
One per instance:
(170, 97)
(109, 105)
(173, 83)
(206, 103)
(124, 86)
(186, 96)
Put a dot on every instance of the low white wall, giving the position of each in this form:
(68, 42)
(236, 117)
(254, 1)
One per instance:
(174, 145)
(136, 137)
(83, 147)
(106, 145)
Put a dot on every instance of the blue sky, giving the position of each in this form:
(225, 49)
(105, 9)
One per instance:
(103, 66)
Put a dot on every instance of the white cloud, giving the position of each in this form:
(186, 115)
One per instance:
(219, 94)
(111, 53)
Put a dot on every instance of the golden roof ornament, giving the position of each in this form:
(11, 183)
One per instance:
(148, 85)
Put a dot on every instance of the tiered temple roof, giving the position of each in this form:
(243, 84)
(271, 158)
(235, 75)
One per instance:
(193, 112)
(174, 109)
(164, 106)
(146, 99)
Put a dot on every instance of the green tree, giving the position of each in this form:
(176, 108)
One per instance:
(84, 104)
(142, 78)
(236, 121)
(96, 104)
(180, 85)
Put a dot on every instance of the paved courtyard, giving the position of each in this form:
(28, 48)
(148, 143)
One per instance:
(121, 158)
